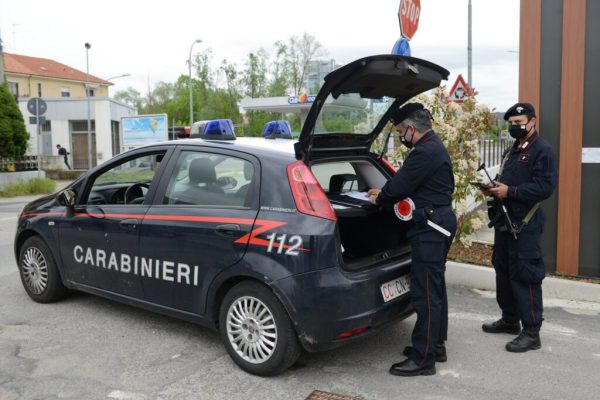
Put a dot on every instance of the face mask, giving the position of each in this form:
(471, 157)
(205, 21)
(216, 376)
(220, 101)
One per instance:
(405, 141)
(517, 131)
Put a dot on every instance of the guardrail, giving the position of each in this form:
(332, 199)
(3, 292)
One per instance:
(23, 163)
(490, 150)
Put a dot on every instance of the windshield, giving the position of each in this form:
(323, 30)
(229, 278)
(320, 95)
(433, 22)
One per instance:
(350, 113)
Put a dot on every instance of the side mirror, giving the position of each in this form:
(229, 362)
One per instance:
(67, 198)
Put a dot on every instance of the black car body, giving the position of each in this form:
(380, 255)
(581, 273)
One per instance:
(254, 237)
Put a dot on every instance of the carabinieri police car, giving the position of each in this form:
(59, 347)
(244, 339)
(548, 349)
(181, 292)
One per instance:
(271, 242)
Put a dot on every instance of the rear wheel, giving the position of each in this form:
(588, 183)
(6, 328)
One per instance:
(39, 274)
(257, 331)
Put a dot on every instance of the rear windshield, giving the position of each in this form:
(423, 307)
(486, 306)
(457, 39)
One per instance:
(350, 113)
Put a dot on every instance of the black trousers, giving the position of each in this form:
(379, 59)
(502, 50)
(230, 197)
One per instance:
(519, 273)
(67, 162)
(428, 287)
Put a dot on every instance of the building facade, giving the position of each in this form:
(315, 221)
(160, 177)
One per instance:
(63, 88)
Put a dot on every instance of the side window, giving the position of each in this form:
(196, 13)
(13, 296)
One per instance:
(208, 179)
(336, 177)
(127, 182)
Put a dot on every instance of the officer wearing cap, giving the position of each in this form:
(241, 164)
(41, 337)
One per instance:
(527, 176)
(427, 178)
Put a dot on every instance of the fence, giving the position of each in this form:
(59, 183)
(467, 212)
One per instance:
(23, 163)
(490, 150)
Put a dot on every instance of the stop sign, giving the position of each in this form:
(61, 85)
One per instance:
(408, 15)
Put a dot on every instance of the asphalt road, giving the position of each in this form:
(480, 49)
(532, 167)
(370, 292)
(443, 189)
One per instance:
(85, 347)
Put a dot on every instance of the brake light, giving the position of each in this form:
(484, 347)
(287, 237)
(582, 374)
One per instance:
(308, 195)
(387, 165)
(346, 335)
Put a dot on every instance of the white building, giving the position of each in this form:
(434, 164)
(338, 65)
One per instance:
(63, 89)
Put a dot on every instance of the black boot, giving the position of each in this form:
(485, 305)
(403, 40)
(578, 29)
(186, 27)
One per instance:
(529, 339)
(410, 368)
(440, 352)
(501, 326)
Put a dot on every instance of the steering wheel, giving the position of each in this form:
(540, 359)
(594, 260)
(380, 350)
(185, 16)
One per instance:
(133, 192)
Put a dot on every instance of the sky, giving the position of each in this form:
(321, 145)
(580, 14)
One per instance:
(151, 40)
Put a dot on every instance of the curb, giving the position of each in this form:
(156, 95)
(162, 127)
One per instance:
(480, 277)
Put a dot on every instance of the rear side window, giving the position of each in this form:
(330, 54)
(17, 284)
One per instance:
(208, 179)
(347, 176)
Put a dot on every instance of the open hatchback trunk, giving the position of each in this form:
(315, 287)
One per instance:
(349, 113)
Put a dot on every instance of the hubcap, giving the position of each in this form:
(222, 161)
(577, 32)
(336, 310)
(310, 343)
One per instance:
(251, 329)
(35, 270)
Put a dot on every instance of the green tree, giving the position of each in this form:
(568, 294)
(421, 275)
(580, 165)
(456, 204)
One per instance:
(297, 53)
(131, 97)
(13, 135)
(278, 86)
(254, 77)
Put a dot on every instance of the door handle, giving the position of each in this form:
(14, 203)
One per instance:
(129, 224)
(228, 229)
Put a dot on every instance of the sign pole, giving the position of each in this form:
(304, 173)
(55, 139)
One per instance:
(39, 150)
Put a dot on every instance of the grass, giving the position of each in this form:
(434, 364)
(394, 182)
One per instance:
(32, 186)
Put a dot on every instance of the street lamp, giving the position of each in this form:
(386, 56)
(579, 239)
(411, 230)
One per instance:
(118, 76)
(87, 95)
(190, 81)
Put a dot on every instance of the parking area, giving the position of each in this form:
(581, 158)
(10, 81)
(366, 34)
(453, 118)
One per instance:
(87, 347)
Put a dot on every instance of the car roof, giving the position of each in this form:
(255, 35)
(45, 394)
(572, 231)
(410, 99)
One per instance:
(253, 145)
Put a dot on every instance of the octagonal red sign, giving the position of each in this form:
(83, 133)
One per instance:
(408, 15)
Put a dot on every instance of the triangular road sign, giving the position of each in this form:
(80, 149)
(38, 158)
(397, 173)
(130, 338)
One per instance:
(460, 90)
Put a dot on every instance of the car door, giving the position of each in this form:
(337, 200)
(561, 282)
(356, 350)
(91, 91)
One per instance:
(99, 241)
(199, 224)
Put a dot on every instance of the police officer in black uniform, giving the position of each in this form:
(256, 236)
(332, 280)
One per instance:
(427, 178)
(527, 176)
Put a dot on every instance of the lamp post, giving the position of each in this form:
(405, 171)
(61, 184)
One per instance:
(118, 76)
(87, 95)
(190, 82)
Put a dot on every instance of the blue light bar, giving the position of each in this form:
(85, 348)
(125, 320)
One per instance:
(277, 129)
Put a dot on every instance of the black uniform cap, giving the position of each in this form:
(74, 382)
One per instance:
(405, 111)
(520, 109)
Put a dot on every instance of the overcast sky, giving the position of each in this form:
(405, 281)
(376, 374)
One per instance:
(151, 39)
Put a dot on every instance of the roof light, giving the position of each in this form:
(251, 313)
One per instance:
(218, 129)
(277, 129)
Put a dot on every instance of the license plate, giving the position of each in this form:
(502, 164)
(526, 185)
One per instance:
(396, 288)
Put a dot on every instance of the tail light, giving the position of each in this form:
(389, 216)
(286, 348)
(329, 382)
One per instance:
(308, 194)
(387, 165)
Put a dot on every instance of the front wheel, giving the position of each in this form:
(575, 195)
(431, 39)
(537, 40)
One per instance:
(257, 331)
(39, 274)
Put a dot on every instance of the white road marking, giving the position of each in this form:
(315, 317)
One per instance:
(121, 395)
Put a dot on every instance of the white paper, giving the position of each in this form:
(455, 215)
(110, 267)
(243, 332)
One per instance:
(357, 195)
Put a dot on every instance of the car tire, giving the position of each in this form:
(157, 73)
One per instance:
(39, 273)
(257, 331)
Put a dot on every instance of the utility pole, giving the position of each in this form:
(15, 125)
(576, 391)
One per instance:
(470, 50)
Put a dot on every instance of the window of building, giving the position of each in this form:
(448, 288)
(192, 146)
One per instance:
(14, 88)
(39, 85)
(46, 126)
(92, 92)
(65, 92)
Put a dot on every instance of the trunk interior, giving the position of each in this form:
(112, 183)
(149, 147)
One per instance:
(368, 237)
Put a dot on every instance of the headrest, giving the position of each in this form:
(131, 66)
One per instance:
(202, 170)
